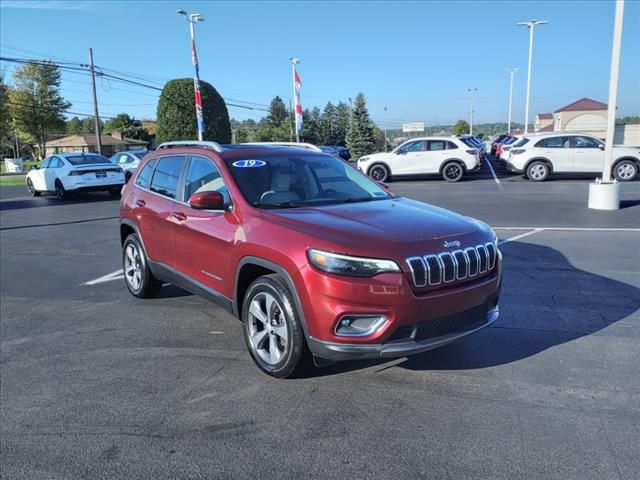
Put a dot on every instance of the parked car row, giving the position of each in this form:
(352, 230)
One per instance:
(537, 156)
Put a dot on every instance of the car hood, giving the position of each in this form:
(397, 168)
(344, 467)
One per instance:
(381, 227)
(378, 156)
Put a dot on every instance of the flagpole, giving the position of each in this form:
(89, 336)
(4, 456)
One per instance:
(192, 19)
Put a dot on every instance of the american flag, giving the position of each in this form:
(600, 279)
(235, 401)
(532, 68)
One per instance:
(298, 105)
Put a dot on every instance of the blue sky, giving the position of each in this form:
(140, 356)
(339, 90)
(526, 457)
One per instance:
(416, 58)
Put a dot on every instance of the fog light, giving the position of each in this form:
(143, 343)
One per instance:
(359, 325)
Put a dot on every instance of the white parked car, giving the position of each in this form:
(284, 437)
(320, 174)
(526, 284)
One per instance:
(446, 156)
(541, 155)
(128, 161)
(73, 172)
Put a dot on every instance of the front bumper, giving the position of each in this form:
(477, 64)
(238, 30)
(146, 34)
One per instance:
(341, 351)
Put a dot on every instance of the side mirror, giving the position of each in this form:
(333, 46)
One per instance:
(601, 146)
(401, 152)
(207, 201)
(35, 167)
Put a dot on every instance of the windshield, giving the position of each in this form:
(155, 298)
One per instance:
(302, 180)
(510, 140)
(92, 159)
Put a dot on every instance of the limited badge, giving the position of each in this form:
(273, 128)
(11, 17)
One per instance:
(249, 163)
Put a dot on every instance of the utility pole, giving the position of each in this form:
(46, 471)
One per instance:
(472, 92)
(530, 25)
(95, 102)
(511, 71)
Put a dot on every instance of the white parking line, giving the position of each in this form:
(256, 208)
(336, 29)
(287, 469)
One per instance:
(109, 277)
(495, 177)
(518, 237)
(572, 229)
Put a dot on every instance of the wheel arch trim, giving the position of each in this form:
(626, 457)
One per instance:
(262, 262)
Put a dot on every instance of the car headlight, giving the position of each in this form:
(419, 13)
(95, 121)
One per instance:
(351, 266)
(364, 159)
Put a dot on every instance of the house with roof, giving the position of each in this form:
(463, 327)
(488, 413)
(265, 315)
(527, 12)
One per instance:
(544, 122)
(87, 142)
(586, 116)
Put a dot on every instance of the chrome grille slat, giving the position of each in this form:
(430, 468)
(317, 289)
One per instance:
(447, 267)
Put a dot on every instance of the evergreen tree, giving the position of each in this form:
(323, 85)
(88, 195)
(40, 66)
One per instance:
(342, 111)
(74, 126)
(360, 139)
(128, 126)
(6, 141)
(36, 105)
(327, 128)
(311, 120)
(176, 117)
(277, 112)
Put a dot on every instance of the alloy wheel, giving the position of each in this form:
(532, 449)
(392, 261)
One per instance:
(268, 332)
(30, 186)
(538, 171)
(133, 267)
(625, 171)
(378, 173)
(453, 171)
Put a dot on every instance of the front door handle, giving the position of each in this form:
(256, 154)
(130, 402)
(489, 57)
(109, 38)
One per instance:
(181, 217)
(140, 203)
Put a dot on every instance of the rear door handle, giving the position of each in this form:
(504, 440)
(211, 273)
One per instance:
(181, 217)
(141, 203)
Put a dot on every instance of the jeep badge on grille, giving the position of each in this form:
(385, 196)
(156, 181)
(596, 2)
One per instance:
(452, 243)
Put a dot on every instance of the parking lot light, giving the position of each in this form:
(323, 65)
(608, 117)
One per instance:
(511, 71)
(605, 194)
(530, 25)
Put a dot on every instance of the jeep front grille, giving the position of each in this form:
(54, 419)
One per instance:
(447, 267)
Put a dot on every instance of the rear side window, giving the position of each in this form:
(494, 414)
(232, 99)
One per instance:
(451, 146)
(554, 142)
(145, 174)
(437, 145)
(166, 176)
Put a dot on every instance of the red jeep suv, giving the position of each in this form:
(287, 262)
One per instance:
(317, 260)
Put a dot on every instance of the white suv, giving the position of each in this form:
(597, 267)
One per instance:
(447, 156)
(538, 156)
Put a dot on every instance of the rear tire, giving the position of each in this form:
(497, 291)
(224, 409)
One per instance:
(32, 191)
(137, 275)
(61, 193)
(452, 171)
(127, 177)
(272, 328)
(625, 170)
(538, 171)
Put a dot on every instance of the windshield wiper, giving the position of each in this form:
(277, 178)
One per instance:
(363, 199)
(277, 205)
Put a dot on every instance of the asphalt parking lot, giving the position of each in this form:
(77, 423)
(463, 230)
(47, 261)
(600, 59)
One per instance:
(98, 384)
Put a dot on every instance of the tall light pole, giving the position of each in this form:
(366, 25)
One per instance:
(194, 18)
(472, 92)
(605, 194)
(530, 25)
(511, 71)
(296, 94)
(385, 128)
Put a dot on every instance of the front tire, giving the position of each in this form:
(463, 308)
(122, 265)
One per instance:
(538, 171)
(625, 170)
(32, 191)
(379, 172)
(137, 275)
(272, 328)
(452, 172)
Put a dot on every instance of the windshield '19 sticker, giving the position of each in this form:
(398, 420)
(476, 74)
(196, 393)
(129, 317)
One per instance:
(249, 163)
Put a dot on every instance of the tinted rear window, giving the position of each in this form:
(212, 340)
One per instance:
(166, 176)
(92, 159)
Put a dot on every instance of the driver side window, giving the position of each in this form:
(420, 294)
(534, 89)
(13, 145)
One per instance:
(584, 142)
(204, 176)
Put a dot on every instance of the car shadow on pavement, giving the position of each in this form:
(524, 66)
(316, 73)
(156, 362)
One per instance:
(545, 302)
